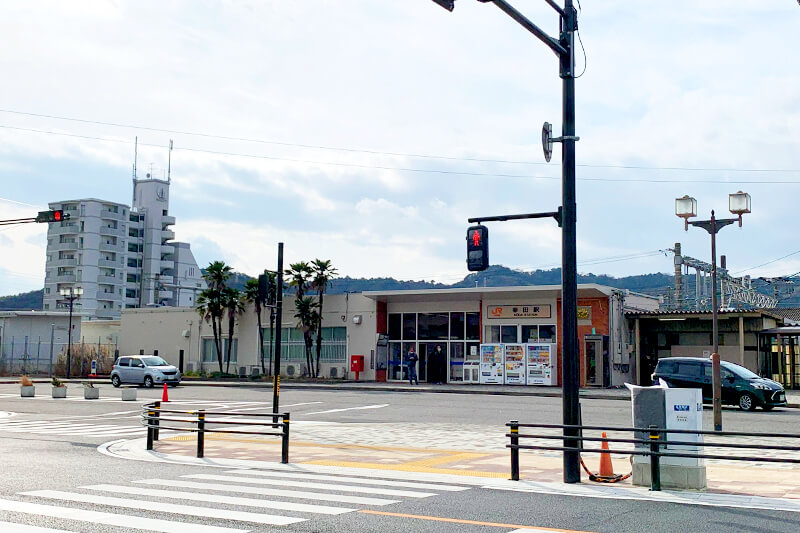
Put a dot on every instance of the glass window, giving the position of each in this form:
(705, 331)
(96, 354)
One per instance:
(154, 361)
(395, 326)
(410, 326)
(508, 333)
(124, 361)
(690, 368)
(457, 326)
(433, 326)
(473, 326)
(530, 334)
(491, 334)
(547, 333)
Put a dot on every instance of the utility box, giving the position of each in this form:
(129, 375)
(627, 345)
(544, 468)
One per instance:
(356, 364)
(670, 409)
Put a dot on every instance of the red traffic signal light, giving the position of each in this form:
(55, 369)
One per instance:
(53, 215)
(477, 248)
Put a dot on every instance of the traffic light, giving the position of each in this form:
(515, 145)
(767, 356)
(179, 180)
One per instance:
(263, 287)
(477, 248)
(53, 215)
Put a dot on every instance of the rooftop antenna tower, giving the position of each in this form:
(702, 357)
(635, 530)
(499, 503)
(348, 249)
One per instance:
(135, 156)
(169, 161)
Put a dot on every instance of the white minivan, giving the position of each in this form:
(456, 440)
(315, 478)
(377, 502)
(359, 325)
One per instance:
(147, 370)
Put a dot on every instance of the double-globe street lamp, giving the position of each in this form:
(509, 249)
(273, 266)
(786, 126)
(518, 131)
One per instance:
(70, 294)
(564, 48)
(686, 208)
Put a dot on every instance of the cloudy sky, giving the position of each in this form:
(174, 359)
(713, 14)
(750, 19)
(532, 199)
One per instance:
(367, 132)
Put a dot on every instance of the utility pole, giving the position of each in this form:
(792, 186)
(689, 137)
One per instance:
(276, 381)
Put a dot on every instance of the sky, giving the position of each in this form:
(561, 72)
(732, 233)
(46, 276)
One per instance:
(368, 132)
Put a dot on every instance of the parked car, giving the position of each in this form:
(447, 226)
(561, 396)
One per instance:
(739, 385)
(147, 370)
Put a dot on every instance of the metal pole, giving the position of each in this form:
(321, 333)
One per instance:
(69, 333)
(716, 381)
(285, 443)
(201, 432)
(514, 450)
(655, 468)
(570, 367)
(276, 381)
(52, 340)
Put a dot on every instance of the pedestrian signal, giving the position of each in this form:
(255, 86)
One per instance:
(477, 248)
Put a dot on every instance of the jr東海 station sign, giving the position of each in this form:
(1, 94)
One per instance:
(518, 311)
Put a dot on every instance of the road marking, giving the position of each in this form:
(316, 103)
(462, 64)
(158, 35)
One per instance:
(188, 510)
(345, 479)
(517, 528)
(111, 519)
(300, 494)
(216, 498)
(323, 486)
(378, 406)
(8, 527)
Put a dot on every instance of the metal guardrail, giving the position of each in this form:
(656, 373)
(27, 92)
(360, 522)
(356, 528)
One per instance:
(155, 418)
(655, 442)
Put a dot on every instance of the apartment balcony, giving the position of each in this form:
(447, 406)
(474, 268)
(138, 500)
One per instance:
(110, 280)
(167, 235)
(111, 215)
(110, 296)
(167, 264)
(59, 246)
(117, 232)
(106, 313)
(64, 230)
(63, 278)
(109, 263)
(110, 247)
(167, 249)
(168, 221)
(63, 263)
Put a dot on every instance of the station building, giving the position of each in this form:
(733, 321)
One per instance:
(382, 326)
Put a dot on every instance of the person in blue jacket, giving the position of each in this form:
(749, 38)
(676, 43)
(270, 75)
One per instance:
(411, 361)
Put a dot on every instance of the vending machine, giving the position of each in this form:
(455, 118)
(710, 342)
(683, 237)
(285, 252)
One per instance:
(492, 363)
(515, 364)
(541, 363)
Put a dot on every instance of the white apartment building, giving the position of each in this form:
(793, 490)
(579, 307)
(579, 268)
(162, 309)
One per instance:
(122, 257)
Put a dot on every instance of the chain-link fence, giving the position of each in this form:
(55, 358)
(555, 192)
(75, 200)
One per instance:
(40, 357)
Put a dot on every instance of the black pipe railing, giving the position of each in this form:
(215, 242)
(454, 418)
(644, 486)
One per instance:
(652, 446)
(155, 418)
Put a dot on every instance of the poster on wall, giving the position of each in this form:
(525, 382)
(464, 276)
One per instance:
(515, 364)
(492, 363)
(541, 363)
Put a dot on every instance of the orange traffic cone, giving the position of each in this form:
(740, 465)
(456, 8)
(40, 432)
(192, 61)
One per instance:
(165, 396)
(605, 459)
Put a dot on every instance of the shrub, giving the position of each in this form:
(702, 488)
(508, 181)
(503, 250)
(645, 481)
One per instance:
(25, 381)
(57, 382)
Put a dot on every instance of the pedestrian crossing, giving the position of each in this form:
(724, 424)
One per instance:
(67, 428)
(238, 501)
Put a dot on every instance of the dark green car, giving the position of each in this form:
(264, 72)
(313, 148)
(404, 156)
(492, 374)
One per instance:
(739, 386)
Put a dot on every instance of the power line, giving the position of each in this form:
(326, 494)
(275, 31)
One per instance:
(407, 169)
(377, 152)
(768, 262)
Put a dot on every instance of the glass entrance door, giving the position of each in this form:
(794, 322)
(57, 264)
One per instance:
(594, 362)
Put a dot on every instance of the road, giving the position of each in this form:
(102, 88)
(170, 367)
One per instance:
(54, 477)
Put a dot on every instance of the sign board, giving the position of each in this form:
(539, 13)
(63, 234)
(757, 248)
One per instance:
(585, 312)
(518, 311)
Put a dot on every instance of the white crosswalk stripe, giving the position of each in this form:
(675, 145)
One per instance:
(77, 427)
(248, 499)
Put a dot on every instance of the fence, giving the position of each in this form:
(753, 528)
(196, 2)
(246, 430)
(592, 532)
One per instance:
(154, 418)
(39, 356)
(653, 446)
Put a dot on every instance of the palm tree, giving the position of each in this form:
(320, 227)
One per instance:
(233, 304)
(323, 273)
(299, 277)
(210, 309)
(210, 303)
(252, 295)
(307, 319)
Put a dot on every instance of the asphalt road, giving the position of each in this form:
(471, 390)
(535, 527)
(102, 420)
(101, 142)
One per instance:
(66, 460)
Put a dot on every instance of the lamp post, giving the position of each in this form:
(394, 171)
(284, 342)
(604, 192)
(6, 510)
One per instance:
(70, 294)
(686, 208)
(564, 48)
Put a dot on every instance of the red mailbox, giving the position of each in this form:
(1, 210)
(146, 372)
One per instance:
(356, 364)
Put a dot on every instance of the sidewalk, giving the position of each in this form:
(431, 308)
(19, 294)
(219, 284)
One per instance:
(309, 446)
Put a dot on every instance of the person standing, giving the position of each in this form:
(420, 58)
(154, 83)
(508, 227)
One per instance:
(439, 361)
(411, 362)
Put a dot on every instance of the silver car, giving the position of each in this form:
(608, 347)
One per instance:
(147, 370)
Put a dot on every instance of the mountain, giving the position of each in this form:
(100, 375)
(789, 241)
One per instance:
(25, 301)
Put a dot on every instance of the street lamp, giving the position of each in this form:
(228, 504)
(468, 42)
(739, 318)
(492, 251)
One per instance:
(70, 294)
(686, 208)
(564, 48)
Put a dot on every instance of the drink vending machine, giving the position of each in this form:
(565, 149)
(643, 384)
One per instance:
(492, 363)
(515, 364)
(541, 363)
